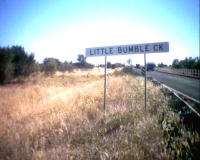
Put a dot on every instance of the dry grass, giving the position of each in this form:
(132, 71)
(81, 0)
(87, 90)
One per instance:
(61, 117)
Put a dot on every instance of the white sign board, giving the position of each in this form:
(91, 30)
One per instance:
(128, 49)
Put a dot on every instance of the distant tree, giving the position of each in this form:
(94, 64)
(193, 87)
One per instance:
(81, 59)
(50, 65)
(109, 65)
(61, 67)
(19, 60)
(82, 62)
(129, 61)
(68, 66)
(175, 63)
(162, 65)
(30, 65)
(117, 65)
(101, 65)
(189, 63)
(88, 65)
(6, 67)
(196, 65)
(23, 63)
(37, 67)
(14, 62)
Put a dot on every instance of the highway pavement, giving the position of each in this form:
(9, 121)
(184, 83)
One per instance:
(186, 85)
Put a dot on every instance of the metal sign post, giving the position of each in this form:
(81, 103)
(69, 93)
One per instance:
(145, 82)
(144, 48)
(104, 103)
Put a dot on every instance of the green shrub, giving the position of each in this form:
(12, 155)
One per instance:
(181, 140)
(127, 69)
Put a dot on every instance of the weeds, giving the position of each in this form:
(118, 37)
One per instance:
(61, 117)
(180, 133)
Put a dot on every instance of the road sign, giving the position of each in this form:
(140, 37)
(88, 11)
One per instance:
(124, 50)
(128, 49)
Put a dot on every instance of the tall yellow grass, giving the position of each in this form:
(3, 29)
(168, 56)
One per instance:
(61, 117)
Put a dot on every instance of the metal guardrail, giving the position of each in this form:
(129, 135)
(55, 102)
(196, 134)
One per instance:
(177, 93)
(187, 104)
(195, 73)
(141, 72)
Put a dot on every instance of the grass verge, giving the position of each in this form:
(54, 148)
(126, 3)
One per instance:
(61, 117)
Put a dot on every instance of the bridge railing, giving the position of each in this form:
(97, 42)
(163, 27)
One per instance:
(185, 72)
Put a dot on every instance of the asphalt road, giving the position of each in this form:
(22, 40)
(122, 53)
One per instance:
(186, 85)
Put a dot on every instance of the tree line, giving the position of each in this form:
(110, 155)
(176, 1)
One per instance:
(15, 62)
(189, 63)
(51, 65)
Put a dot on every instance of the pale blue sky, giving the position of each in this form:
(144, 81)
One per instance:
(63, 29)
